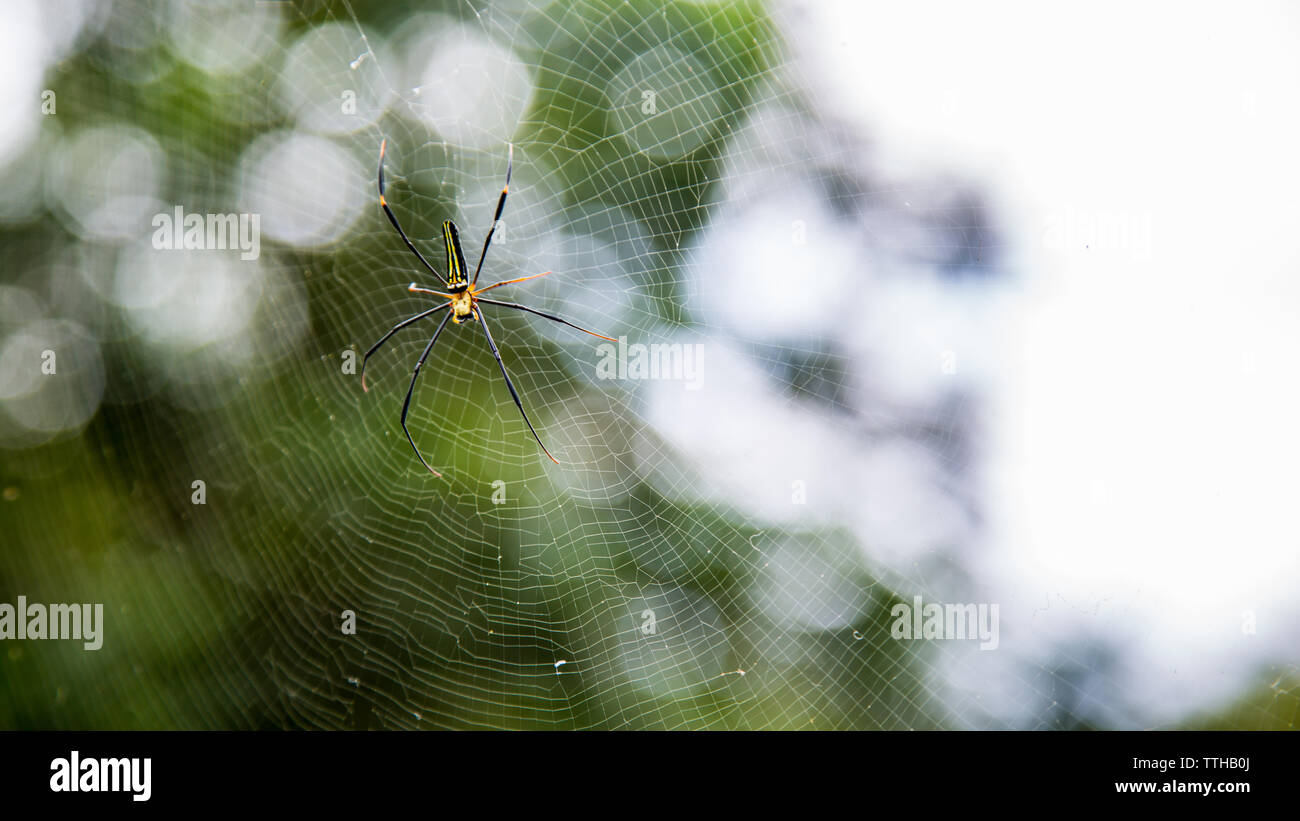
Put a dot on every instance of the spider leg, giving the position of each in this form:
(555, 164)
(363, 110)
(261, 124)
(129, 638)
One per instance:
(393, 218)
(510, 282)
(551, 317)
(513, 393)
(501, 206)
(415, 289)
(399, 326)
(406, 406)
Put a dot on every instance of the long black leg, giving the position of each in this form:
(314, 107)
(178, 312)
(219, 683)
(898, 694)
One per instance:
(393, 218)
(406, 406)
(501, 206)
(511, 385)
(399, 326)
(552, 317)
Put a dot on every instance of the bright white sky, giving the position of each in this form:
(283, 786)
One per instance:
(1148, 450)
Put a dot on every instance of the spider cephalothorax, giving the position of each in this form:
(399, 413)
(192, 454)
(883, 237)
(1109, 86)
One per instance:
(462, 305)
(463, 299)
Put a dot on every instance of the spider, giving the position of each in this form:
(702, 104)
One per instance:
(463, 298)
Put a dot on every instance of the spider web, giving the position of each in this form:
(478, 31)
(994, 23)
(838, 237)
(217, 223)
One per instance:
(617, 590)
(719, 549)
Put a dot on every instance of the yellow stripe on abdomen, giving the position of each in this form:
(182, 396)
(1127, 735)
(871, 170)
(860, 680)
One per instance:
(455, 257)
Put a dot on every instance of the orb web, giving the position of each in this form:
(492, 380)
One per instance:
(785, 444)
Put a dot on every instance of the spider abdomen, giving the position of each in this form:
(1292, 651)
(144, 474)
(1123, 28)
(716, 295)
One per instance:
(455, 257)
